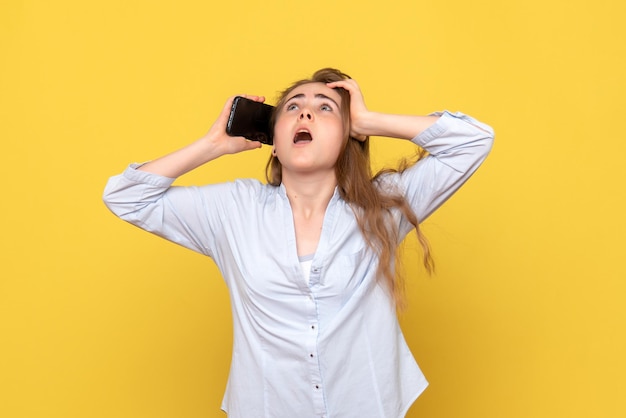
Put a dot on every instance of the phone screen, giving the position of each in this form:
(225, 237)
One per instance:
(251, 120)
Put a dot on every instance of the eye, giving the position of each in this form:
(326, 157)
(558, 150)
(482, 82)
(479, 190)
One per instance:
(291, 106)
(326, 108)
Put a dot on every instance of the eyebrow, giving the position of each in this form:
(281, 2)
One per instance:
(317, 96)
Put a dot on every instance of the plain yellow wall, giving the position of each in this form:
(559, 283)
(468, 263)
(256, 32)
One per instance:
(526, 316)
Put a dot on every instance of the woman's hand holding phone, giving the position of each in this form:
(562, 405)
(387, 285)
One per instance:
(219, 139)
(251, 119)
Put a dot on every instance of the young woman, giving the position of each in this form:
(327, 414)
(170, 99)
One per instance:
(309, 257)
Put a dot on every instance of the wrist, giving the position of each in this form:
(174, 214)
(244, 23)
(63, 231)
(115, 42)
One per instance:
(368, 124)
(209, 147)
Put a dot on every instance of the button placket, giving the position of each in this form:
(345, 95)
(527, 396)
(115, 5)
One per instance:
(312, 356)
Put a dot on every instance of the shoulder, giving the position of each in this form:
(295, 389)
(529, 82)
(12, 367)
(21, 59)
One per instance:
(248, 189)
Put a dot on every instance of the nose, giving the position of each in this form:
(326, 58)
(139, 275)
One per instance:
(305, 114)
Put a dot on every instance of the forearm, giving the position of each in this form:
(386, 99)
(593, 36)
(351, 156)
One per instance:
(179, 162)
(395, 126)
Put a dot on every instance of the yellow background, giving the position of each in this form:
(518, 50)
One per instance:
(526, 316)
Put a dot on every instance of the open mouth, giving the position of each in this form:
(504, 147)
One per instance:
(302, 137)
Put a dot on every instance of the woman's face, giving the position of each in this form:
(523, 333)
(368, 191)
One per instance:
(309, 129)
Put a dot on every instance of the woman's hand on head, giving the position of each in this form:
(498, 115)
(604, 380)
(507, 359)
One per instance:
(218, 137)
(359, 114)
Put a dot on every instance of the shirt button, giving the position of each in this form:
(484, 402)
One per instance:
(317, 386)
(311, 355)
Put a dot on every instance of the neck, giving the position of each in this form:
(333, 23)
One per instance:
(309, 196)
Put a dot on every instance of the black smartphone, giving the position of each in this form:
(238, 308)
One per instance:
(251, 120)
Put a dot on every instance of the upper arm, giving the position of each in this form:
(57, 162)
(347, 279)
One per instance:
(188, 216)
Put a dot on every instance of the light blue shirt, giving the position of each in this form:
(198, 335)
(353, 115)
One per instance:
(331, 347)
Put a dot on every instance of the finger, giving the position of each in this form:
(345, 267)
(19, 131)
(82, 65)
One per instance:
(254, 145)
(349, 85)
(225, 113)
(239, 144)
(253, 97)
(223, 116)
(250, 145)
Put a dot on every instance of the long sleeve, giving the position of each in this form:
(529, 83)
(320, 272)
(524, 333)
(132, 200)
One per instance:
(457, 145)
(150, 202)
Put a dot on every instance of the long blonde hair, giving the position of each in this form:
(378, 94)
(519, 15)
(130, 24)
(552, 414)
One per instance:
(358, 187)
